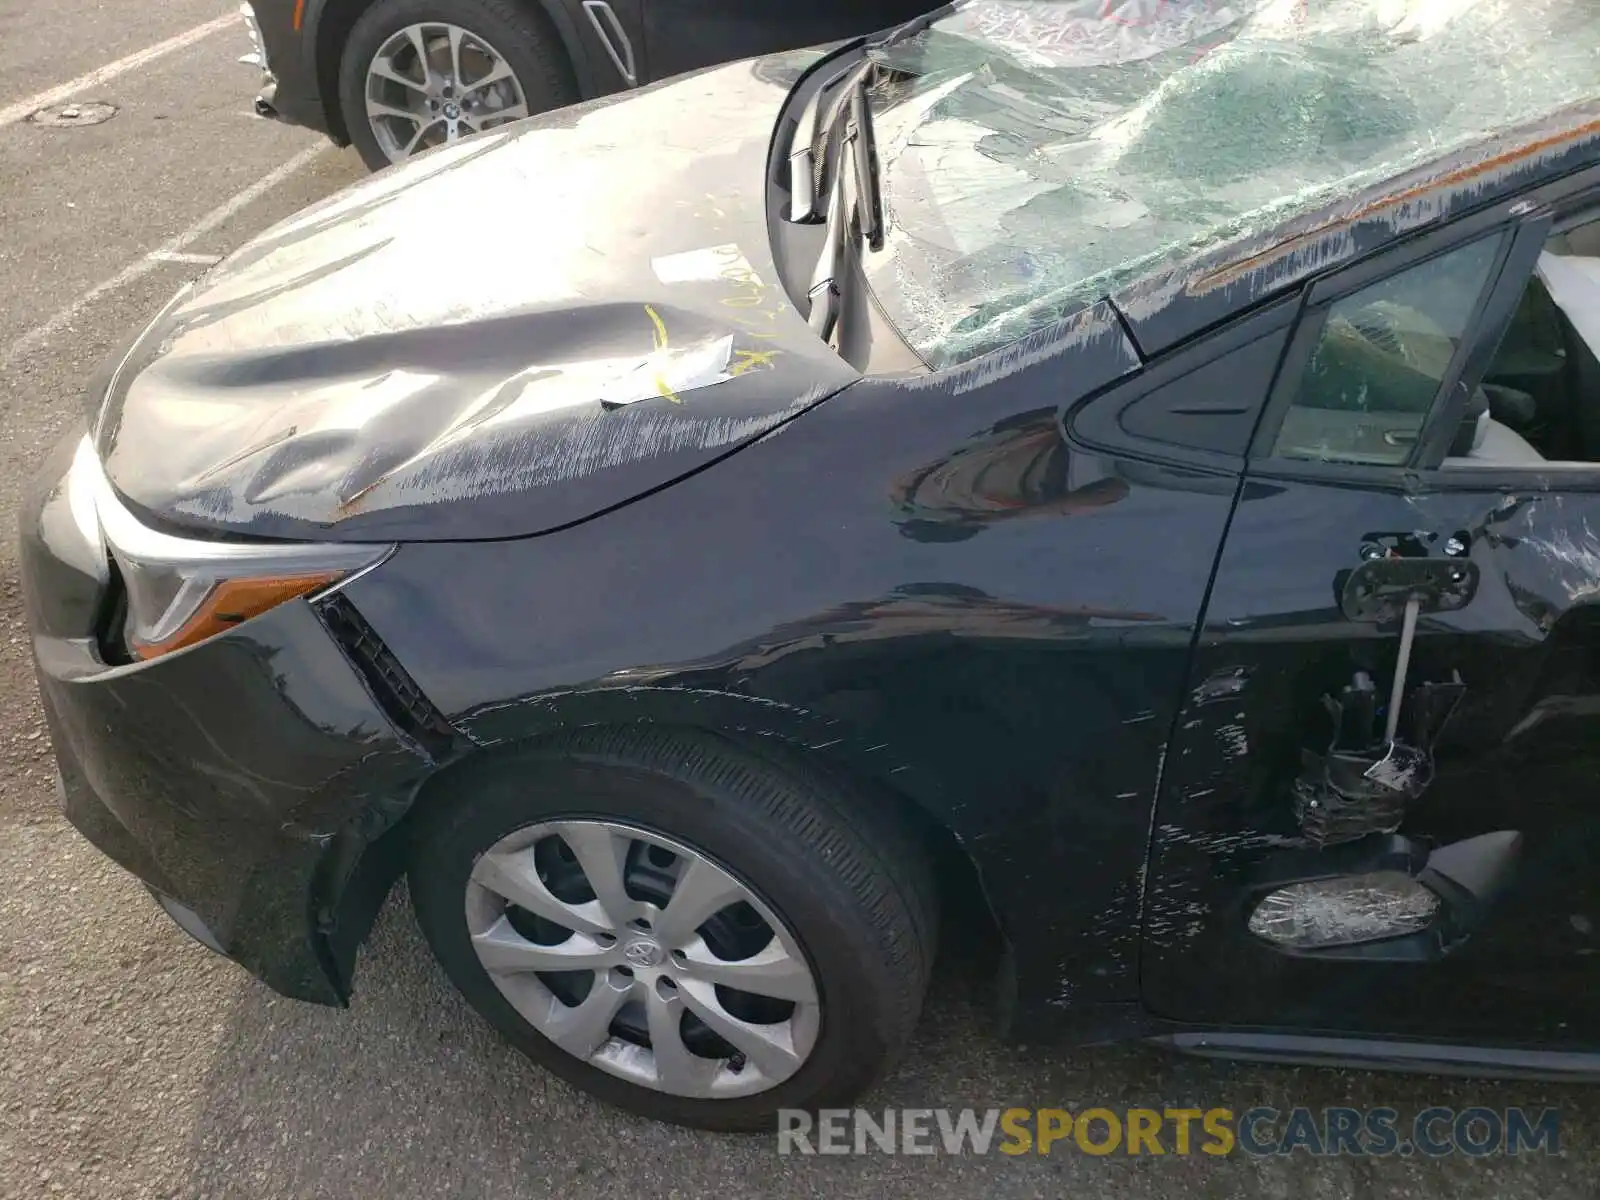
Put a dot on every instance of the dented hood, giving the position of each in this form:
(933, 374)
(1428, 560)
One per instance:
(507, 335)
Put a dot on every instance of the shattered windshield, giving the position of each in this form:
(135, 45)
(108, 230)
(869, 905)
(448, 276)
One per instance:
(1036, 154)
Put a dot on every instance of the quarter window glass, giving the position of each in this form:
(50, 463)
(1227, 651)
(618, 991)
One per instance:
(1383, 354)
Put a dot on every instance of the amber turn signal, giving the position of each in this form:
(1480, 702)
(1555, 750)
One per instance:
(231, 602)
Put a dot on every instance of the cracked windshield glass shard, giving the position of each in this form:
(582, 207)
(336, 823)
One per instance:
(1039, 154)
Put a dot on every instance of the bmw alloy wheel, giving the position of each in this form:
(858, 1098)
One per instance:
(433, 83)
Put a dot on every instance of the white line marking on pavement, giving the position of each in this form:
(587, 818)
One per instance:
(37, 336)
(179, 256)
(12, 113)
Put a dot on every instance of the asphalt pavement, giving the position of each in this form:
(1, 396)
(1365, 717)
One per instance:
(134, 1063)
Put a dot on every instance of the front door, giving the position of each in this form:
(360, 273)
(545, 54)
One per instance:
(1433, 437)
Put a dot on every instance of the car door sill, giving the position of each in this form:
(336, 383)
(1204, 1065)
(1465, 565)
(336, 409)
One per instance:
(1374, 1053)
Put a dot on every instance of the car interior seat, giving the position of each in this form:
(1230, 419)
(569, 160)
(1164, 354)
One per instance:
(1543, 389)
(1573, 283)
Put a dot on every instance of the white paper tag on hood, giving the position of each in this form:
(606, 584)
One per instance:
(670, 372)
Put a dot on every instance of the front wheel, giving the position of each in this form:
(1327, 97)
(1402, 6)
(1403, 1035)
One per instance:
(680, 928)
(418, 73)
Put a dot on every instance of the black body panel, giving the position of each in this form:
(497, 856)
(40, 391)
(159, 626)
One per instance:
(240, 778)
(1503, 567)
(1521, 753)
(892, 582)
(235, 811)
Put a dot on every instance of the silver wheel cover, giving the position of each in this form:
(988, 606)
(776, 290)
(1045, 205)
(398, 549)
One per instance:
(553, 902)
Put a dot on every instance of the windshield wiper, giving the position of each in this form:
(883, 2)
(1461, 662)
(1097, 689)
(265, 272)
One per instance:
(914, 26)
(802, 158)
(824, 291)
(818, 116)
(857, 145)
(846, 116)
(864, 148)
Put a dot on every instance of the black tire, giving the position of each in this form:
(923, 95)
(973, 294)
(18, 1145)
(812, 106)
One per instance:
(846, 878)
(519, 32)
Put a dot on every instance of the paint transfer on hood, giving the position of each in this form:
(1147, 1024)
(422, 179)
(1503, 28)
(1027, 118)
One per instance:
(507, 335)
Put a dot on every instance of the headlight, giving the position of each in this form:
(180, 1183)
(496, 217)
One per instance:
(182, 591)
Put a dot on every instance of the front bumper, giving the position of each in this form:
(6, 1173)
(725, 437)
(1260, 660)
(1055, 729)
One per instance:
(240, 779)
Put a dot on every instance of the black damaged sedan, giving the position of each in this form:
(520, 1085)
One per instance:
(1015, 470)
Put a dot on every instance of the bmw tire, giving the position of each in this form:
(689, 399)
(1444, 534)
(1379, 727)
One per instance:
(420, 73)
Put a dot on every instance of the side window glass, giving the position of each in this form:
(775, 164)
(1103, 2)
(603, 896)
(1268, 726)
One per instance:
(1364, 394)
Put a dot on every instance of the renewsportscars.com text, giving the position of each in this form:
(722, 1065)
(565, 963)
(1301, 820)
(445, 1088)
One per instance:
(1371, 1132)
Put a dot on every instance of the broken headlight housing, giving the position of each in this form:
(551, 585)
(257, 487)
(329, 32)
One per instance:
(181, 591)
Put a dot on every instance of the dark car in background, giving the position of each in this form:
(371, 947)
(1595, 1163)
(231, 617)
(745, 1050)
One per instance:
(1020, 475)
(393, 77)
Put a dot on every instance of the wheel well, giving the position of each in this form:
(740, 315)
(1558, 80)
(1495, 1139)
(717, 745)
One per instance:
(333, 30)
(339, 17)
(970, 934)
